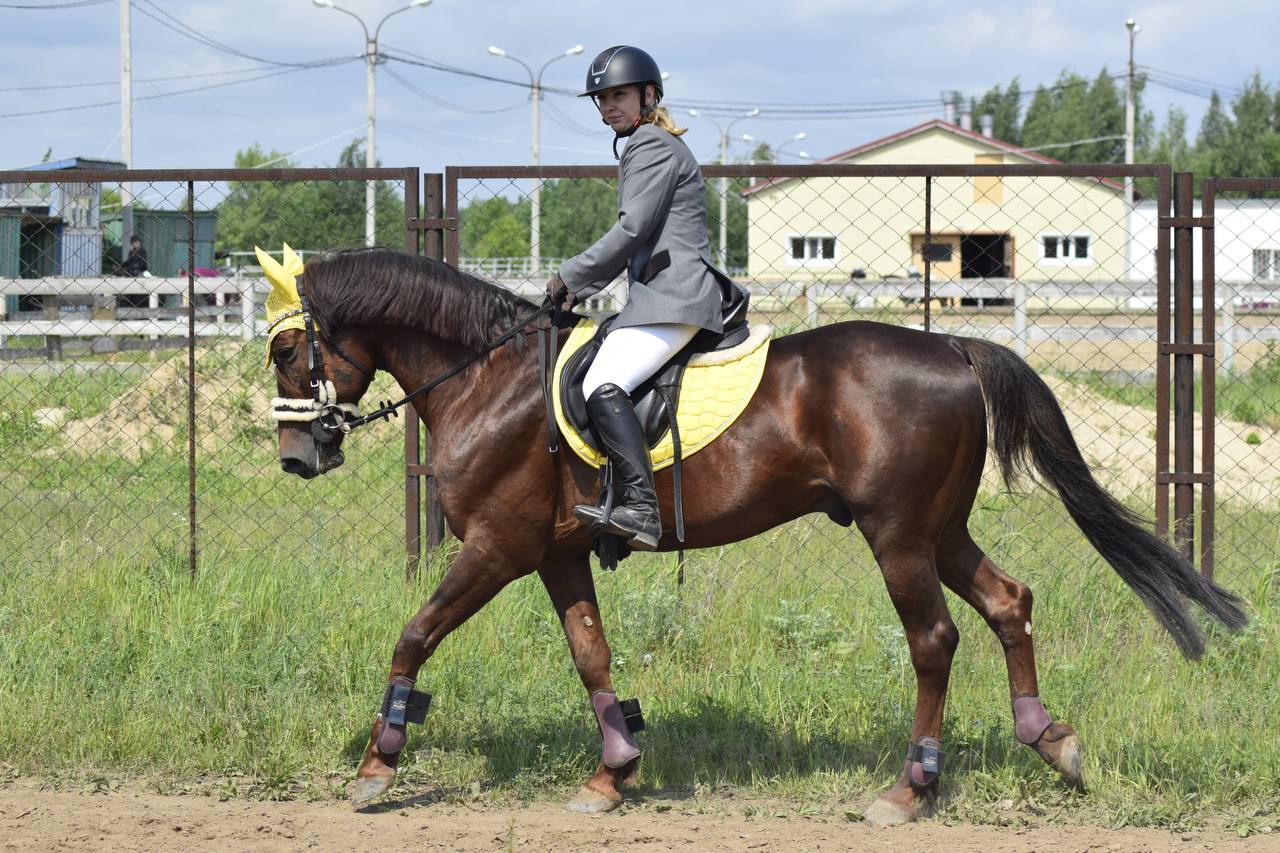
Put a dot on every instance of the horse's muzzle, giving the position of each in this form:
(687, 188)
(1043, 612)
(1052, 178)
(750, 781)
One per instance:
(303, 456)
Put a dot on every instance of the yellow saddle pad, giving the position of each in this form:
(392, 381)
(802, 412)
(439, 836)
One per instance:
(716, 388)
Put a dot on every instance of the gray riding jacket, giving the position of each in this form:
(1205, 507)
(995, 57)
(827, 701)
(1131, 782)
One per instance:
(660, 237)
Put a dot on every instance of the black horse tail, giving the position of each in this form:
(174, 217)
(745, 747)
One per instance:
(1030, 432)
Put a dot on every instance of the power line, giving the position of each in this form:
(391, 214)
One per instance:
(186, 31)
(275, 73)
(253, 70)
(1182, 77)
(73, 4)
(440, 102)
(453, 69)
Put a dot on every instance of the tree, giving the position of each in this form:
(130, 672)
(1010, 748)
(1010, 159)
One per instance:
(1005, 107)
(1170, 144)
(495, 228)
(575, 213)
(1250, 143)
(309, 215)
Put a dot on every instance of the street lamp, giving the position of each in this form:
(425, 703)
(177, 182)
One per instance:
(371, 59)
(1132, 26)
(535, 84)
(776, 151)
(724, 182)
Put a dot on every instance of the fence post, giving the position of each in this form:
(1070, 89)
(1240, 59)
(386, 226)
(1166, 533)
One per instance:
(248, 308)
(1183, 370)
(412, 440)
(1228, 332)
(191, 376)
(1163, 199)
(926, 247)
(1208, 375)
(1020, 318)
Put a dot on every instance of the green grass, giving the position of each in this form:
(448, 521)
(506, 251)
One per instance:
(778, 671)
(1251, 397)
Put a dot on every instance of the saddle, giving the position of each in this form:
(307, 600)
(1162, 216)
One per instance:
(655, 400)
(726, 369)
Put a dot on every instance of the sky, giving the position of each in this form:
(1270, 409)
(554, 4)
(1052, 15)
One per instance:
(722, 56)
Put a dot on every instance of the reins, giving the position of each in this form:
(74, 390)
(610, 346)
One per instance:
(332, 419)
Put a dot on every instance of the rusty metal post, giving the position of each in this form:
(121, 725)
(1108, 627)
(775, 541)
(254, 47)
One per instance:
(926, 246)
(433, 209)
(192, 554)
(1208, 375)
(1183, 370)
(1163, 197)
(412, 454)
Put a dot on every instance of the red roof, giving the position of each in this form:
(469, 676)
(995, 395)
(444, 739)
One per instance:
(922, 128)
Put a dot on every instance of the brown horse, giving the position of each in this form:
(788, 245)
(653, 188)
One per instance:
(874, 425)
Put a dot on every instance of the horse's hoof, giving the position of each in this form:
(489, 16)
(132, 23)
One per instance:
(884, 812)
(363, 791)
(1068, 760)
(591, 801)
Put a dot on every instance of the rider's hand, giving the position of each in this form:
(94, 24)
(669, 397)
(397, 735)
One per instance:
(559, 294)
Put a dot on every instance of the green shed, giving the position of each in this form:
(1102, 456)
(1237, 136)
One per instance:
(10, 240)
(164, 236)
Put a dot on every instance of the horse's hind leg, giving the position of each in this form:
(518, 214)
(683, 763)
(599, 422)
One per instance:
(573, 594)
(1005, 604)
(913, 585)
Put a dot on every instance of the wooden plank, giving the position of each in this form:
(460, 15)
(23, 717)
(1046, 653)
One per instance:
(98, 328)
(116, 285)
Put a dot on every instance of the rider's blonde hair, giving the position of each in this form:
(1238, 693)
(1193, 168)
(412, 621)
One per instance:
(662, 118)
(659, 116)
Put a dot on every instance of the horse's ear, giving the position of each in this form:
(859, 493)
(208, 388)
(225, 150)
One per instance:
(270, 266)
(292, 263)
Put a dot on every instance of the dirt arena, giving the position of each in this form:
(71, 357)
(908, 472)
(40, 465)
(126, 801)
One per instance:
(33, 819)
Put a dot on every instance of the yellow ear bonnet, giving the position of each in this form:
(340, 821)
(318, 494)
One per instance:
(284, 308)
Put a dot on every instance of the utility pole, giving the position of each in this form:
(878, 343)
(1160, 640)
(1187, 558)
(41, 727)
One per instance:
(1133, 29)
(535, 200)
(126, 124)
(723, 184)
(371, 61)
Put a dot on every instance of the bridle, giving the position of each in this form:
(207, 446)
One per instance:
(331, 420)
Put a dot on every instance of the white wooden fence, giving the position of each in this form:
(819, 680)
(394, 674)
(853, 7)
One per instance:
(238, 300)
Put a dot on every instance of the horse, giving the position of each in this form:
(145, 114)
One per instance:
(873, 425)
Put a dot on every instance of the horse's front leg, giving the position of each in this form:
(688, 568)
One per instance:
(472, 580)
(573, 594)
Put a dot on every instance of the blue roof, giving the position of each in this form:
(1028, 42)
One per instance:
(73, 163)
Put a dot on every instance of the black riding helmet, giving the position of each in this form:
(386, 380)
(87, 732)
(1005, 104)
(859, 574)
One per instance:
(623, 65)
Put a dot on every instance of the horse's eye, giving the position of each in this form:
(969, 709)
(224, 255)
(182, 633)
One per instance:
(283, 356)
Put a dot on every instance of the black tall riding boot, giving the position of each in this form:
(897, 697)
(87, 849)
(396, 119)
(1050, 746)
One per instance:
(635, 517)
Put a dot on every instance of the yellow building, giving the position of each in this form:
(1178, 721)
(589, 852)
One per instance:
(1066, 230)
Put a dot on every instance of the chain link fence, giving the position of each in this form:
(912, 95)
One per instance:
(136, 423)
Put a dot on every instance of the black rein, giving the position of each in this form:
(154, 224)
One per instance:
(333, 421)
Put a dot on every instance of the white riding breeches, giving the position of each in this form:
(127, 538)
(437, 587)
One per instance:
(632, 354)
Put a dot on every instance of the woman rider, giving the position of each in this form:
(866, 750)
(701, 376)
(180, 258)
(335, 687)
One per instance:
(674, 291)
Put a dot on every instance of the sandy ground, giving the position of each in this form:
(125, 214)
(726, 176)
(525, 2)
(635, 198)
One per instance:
(31, 819)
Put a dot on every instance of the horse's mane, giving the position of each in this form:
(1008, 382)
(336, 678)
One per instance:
(379, 286)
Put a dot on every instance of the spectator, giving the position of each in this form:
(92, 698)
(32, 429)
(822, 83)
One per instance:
(136, 264)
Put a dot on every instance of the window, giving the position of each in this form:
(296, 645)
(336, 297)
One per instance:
(1065, 248)
(813, 248)
(936, 252)
(1266, 264)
